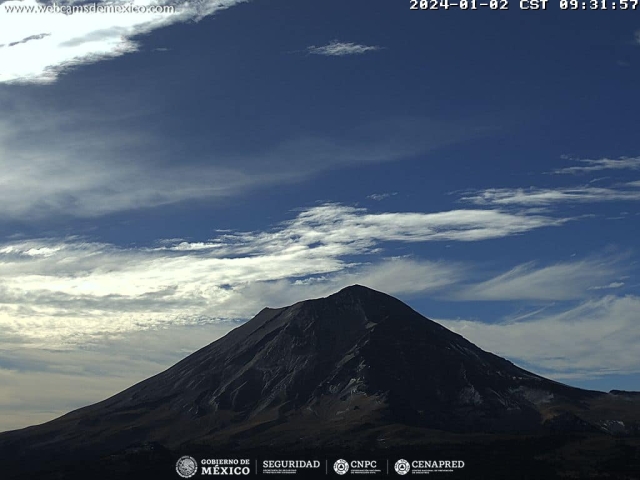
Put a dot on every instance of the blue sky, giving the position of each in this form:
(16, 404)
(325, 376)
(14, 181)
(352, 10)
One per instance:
(165, 176)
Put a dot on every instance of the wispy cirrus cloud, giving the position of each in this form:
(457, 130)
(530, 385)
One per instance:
(336, 48)
(381, 196)
(540, 197)
(41, 384)
(610, 286)
(71, 290)
(597, 337)
(68, 163)
(588, 166)
(37, 45)
(536, 197)
(561, 281)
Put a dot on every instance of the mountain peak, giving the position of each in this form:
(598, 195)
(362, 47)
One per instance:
(357, 288)
(357, 363)
(361, 291)
(358, 346)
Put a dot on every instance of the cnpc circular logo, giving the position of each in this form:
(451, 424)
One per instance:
(341, 466)
(402, 467)
(186, 466)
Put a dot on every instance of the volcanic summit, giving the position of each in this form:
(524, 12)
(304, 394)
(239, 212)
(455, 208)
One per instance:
(357, 370)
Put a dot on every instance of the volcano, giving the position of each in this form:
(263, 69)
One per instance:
(358, 371)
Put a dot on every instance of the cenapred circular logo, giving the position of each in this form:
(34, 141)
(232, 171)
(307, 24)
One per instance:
(402, 467)
(186, 466)
(341, 466)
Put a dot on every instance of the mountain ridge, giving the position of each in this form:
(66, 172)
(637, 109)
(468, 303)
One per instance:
(357, 366)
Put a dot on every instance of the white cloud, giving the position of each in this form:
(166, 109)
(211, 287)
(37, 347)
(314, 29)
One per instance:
(70, 290)
(395, 276)
(562, 281)
(549, 196)
(337, 221)
(39, 385)
(587, 165)
(68, 163)
(340, 49)
(381, 196)
(37, 47)
(545, 197)
(608, 287)
(596, 338)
